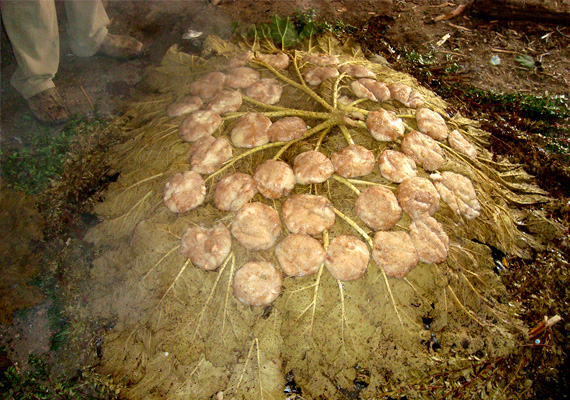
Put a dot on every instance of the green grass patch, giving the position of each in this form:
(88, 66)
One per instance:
(526, 105)
(31, 165)
(38, 382)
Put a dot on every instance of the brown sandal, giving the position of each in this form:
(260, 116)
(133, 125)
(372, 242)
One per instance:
(48, 107)
(117, 46)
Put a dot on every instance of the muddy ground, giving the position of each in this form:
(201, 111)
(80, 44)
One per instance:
(44, 269)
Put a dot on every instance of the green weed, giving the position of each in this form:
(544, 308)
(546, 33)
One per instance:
(32, 165)
(288, 32)
(38, 383)
(527, 105)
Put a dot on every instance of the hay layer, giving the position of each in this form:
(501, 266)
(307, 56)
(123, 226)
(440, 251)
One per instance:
(180, 333)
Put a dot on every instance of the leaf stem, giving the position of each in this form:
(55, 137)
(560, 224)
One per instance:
(346, 182)
(326, 125)
(299, 86)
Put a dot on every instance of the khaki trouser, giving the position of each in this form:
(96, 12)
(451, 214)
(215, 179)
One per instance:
(33, 31)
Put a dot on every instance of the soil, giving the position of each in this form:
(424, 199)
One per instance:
(383, 26)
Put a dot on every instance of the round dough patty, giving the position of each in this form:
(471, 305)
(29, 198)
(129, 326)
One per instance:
(184, 192)
(199, 124)
(308, 214)
(266, 90)
(225, 101)
(277, 61)
(353, 161)
(395, 253)
(312, 167)
(257, 283)
(208, 85)
(317, 75)
(241, 77)
(378, 208)
(234, 191)
(300, 255)
(356, 70)
(207, 248)
(287, 129)
(423, 150)
(431, 123)
(458, 142)
(256, 226)
(321, 59)
(183, 106)
(406, 95)
(250, 131)
(274, 179)
(207, 154)
(418, 197)
(384, 125)
(430, 240)
(396, 166)
(347, 258)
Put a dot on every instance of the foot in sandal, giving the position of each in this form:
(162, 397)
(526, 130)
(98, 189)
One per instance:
(48, 107)
(118, 46)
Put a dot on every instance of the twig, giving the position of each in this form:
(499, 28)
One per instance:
(504, 51)
(228, 288)
(543, 325)
(160, 261)
(245, 364)
(391, 296)
(453, 53)
(459, 27)
(355, 226)
(321, 137)
(259, 368)
(335, 89)
(87, 97)
(343, 319)
(242, 155)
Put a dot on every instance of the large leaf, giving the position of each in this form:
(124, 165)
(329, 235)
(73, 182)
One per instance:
(283, 31)
(308, 31)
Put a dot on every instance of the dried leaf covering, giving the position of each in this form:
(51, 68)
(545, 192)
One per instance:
(181, 333)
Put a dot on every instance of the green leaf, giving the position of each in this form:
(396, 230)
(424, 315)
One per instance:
(308, 31)
(283, 31)
(525, 60)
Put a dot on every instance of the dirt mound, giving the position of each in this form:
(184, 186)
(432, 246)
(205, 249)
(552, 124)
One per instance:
(181, 333)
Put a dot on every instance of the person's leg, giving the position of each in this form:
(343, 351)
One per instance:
(87, 26)
(32, 29)
(88, 32)
(31, 26)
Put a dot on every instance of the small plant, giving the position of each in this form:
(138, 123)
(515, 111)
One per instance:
(35, 163)
(427, 66)
(284, 31)
(287, 32)
(37, 383)
(527, 105)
